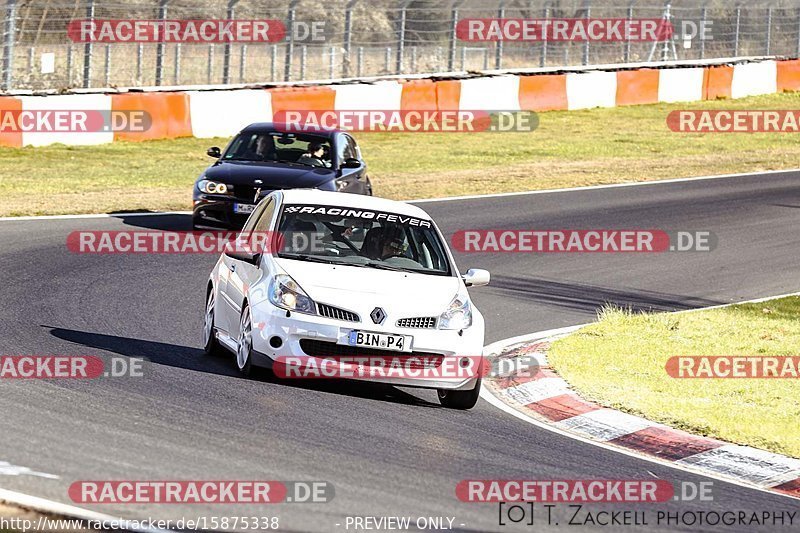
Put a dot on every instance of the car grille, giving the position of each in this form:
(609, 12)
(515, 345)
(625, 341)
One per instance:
(331, 350)
(330, 311)
(248, 193)
(418, 322)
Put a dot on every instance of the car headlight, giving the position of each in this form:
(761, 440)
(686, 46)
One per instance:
(458, 314)
(284, 292)
(212, 187)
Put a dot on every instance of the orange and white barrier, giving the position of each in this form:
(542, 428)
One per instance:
(591, 89)
(223, 112)
(753, 79)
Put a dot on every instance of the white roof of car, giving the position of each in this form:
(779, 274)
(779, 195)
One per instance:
(339, 199)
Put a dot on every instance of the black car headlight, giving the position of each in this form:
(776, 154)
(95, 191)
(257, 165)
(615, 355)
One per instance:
(213, 187)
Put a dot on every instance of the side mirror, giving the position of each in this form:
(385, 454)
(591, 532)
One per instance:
(214, 152)
(351, 162)
(241, 253)
(476, 277)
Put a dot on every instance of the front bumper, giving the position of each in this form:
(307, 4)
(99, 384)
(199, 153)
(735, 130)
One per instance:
(217, 212)
(270, 321)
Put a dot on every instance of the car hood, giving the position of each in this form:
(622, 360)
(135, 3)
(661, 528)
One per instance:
(273, 175)
(400, 294)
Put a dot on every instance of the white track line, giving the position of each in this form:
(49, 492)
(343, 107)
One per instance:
(432, 200)
(487, 395)
(61, 509)
(596, 187)
(95, 215)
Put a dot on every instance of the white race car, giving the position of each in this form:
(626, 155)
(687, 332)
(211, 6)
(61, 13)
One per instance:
(351, 279)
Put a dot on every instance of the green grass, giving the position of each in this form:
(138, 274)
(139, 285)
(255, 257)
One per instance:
(570, 148)
(620, 362)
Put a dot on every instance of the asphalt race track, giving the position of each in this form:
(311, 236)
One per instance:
(388, 451)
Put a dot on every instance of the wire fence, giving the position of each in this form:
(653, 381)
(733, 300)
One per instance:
(363, 38)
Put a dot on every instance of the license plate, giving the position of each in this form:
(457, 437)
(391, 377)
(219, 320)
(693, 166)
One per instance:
(384, 341)
(243, 209)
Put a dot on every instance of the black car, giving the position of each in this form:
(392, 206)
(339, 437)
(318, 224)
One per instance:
(263, 158)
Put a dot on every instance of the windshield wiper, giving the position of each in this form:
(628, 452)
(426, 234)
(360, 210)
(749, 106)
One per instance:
(296, 163)
(384, 266)
(309, 258)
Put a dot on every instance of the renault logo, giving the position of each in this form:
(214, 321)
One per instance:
(378, 315)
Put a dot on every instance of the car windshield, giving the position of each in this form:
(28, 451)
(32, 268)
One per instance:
(289, 148)
(361, 238)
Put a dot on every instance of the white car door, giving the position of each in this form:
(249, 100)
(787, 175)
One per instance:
(242, 274)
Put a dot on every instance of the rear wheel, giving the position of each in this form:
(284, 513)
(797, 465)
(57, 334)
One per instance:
(460, 399)
(244, 353)
(210, 344)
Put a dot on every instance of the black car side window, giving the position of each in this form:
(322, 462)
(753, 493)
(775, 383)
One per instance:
(348, 150)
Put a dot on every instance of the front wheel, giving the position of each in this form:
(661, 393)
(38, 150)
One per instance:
(210, 343)
(244, 353)
(460, 399)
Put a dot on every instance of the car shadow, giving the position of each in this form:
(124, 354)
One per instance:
(589, 298)
(194, 359)
(164, 222)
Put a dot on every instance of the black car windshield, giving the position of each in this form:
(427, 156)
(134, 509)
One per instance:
(289, 148)
(361, 238)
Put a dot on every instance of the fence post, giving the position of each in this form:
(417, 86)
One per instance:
(401, 36)
(703, 20)
(451, 59)
(210, 70)
(543, 57)
(242, 62)
(348, 37)
(360, 69)
(107, 74)
(139, 58)
(69, 64)
(177, 63)
(287, 66)
(769, 31)
(797, 54)
(498, 46)
(273, 62)
(627, 57)
(10, 31)
(87, 50)
(738, 28)
(226, 52)
(587, 15)
(162, 15)
(387, 58)
(332, 62)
